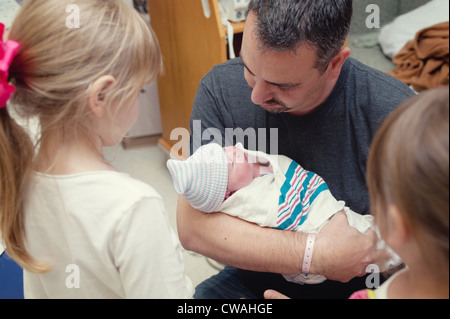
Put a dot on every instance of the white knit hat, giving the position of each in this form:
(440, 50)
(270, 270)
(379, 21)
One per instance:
(203, 178)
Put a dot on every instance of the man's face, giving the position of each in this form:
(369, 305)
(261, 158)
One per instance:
(283, 82)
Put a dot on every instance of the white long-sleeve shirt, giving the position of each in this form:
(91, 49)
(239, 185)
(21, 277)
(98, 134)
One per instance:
(106, 235)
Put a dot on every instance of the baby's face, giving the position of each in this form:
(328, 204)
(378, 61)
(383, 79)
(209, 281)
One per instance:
(240, 171)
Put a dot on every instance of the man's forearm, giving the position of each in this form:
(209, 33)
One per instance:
(240, 244)
(341, 252)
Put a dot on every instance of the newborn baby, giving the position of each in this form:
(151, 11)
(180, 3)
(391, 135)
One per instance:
(268, 190)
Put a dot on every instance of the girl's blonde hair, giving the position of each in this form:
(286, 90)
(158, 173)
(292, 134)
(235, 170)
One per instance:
(409, 167)
(53, 73)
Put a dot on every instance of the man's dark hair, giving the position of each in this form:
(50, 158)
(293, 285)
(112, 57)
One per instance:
(284, 24)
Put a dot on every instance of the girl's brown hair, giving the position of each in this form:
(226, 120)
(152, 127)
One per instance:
(53, 73)
(409, 167)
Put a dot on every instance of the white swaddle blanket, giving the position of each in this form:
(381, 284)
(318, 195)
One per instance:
(292, 199)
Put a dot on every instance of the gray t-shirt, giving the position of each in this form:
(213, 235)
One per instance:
(332, 142)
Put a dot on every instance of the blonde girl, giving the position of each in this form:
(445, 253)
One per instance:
(408, 179)
(79, 228)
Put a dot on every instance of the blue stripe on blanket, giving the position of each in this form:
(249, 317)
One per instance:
(297, 203)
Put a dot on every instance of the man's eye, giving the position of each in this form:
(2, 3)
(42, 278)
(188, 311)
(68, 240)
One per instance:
(285, 88)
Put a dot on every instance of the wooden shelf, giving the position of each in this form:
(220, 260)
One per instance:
(238, 27)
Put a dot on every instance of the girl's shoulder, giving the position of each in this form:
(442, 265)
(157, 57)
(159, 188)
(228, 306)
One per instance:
(106, 185)
(381, 292)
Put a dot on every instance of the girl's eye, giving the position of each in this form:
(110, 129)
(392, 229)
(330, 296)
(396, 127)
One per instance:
(143, 91)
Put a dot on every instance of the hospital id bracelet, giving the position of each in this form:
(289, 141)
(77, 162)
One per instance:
(308, 255)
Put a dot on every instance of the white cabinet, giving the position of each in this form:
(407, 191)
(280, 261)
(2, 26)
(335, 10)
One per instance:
(149, 119)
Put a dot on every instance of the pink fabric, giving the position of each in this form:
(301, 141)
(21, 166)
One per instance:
(364, 294)
(8, 51)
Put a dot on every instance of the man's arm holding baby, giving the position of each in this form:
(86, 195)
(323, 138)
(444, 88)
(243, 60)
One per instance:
(340, 253)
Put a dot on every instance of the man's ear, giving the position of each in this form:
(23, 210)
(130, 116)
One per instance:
(335, 66)
(97, 96)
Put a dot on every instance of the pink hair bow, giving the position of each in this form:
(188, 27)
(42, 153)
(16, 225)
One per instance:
(8, 51)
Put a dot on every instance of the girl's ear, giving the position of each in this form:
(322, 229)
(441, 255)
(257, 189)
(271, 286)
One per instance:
(97, 96)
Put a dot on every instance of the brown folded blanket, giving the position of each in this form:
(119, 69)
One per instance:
(424, 61)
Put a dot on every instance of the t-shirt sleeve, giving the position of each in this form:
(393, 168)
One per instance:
(207, 122)
(222, 104)
(379, 95)
(148, 254)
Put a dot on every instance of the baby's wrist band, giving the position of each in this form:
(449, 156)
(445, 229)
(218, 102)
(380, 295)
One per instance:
(307, 258)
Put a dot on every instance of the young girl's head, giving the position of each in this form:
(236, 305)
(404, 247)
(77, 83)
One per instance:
(62, 68)
(408, 180)
(79, 70)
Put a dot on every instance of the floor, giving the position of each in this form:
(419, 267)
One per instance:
(146, 161)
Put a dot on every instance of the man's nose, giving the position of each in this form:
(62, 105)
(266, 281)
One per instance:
(262, 92)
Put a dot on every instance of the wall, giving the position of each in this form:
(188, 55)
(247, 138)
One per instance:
(389, 10)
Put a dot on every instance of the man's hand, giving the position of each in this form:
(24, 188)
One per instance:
(342, 252)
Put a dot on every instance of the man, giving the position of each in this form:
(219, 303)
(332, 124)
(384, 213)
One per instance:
(295, 77)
